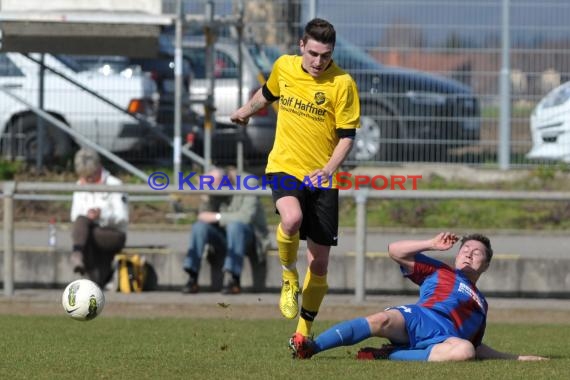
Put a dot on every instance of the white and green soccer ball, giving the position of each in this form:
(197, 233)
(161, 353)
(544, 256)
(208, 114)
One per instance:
(83, 300)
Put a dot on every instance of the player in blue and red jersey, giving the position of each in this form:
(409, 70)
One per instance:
(448, 321)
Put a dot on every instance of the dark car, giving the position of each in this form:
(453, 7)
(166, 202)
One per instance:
(161, 69)
(407, 114)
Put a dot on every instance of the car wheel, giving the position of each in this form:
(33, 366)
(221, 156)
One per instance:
(367, 141)
(57, 146)
(372, 141)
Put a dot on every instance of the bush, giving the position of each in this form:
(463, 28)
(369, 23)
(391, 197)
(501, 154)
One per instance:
(8, 169)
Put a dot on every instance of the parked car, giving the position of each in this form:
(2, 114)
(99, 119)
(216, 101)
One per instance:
(550, 126)
(406, 114)
(258, 136)
(160, 69)
(86, 114)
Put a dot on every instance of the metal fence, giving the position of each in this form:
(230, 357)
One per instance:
(30, 191)
(474, 45)
(429, 74)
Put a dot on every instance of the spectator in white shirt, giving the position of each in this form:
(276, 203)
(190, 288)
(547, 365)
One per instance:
(99, 219)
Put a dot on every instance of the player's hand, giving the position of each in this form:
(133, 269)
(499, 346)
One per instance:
(444, 241)
(239, 119)
(207, 217)
(93, 213)
(319, 178)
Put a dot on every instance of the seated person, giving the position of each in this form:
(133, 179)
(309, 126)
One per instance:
(448, 321)
(233, 225)
(99, 220)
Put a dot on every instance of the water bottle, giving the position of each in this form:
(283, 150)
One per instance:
(52, 233)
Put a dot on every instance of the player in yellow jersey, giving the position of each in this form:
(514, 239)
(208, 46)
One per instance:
(319, 112)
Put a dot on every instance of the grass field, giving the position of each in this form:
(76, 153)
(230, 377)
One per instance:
(56, 347)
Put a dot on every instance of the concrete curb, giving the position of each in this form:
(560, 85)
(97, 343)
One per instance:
(509, 276)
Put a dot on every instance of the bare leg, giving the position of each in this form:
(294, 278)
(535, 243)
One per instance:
(452, 349)
(389, 324)
(318, 257)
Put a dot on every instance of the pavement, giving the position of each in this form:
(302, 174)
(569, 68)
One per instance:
(512, 244)
(264, 305)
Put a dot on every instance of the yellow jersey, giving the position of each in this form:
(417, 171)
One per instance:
(310, 111)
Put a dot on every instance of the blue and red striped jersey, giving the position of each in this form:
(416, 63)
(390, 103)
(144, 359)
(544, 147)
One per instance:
(452, 295)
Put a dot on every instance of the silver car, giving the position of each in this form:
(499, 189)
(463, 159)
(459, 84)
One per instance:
(84, 113)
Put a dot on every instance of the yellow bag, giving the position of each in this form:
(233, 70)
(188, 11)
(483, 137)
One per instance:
(131, 273)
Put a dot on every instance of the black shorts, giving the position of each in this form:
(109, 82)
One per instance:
(319, 207)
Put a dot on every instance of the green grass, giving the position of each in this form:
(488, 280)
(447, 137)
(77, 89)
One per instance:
(178, 348)
(517, 111)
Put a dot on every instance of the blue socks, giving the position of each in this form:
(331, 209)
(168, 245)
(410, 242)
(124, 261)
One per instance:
(356, 330)
(343, 334)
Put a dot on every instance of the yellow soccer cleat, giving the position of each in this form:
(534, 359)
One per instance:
(288, 303)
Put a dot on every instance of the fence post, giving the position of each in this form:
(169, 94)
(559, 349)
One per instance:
(360, 259)
(505, 91)
(9, 189)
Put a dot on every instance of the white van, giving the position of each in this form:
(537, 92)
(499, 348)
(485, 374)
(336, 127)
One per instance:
(550, 126)
(85, 113)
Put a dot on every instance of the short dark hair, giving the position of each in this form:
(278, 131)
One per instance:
(320, 30)
(483, 240)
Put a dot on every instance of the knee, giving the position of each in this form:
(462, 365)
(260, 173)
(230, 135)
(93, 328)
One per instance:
(200, 228)
(452, 349)
(238, 232)
(82, 219)
(378, 322)
(81, 222)
(291, 222)
(236, 228)
(464, 351)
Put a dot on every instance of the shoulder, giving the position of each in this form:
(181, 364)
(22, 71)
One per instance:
(343, 81)
(287, 62)
(287, 59)
(340, 74)
(112, 180)
(423, 258)
(427, 264)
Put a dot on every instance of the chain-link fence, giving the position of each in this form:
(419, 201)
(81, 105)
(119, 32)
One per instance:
(434, 68)
(429, 75)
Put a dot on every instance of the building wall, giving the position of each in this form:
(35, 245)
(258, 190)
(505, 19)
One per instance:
(148, 6)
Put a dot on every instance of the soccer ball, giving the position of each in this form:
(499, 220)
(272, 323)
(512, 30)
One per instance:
(83, 300)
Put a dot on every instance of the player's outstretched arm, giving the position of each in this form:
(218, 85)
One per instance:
(485, 352)
(256, 103)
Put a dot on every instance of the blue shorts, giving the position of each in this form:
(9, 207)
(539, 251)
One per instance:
(425, 326)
